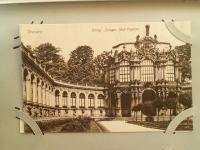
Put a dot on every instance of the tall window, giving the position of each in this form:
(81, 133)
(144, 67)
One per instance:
(91, 100)
(112, 75)
(81, 100)
(73, 99)
(25, 85)
(124, 72)
(32, 80)
(64, 98)
(100, 100)
(147, 71)
(169, 71)
(57, 93)
(38, 86)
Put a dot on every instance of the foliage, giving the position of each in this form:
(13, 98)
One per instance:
(136, 108)
(149, 109)
(184, 53)
(171, 101)
(49, 57)
(148, 95)
(80, 65)
(99, 62)
(158, 103)
(186, 100)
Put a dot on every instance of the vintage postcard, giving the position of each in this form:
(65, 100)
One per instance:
(105, 77)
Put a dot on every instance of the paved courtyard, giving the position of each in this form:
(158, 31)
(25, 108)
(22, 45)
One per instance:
(122, 126)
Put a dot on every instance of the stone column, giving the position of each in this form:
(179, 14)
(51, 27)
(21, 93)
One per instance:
(119, 112)
(68, 100)
(49, 99)
(47, 96)
(139, 95)
(86, 101)
(132, 98)
(43, 95)
(24, 90)
(131, 74)
(52, 99)
(156, 74)
(117, 73)
(95, 101)
(106, 73)
(77, 100)
(39, 100)
(34, 92)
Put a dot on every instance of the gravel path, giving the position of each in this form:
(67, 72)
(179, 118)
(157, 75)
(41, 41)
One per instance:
(122, 126)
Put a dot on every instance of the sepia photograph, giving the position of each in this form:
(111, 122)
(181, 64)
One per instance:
(105, 77)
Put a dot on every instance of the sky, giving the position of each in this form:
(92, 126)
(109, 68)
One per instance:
(99, 36)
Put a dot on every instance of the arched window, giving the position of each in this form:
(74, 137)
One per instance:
(82, 100)
(32, 88)
(38, 88)
(147, 71)
(100, 100)
(42, 93)
(25, 75)
(91, 100)
(124, 72)
(73, 99)
(64, 98)
(169, 71)
(57, 94)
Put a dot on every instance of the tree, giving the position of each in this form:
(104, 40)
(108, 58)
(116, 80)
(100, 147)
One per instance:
(171, 103)
(186, 100)
(80, 65)
(184, 52)
(136, 108)
(99, 62)
(49, 57)
(149, 110)
(158, 105)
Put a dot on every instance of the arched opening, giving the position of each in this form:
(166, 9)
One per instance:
(148, 98)
(126, 104)
(42, 92)
(91, 100)
(73, 100)
(57, 94)
(46, 94)
(25, 75)
(148, 95)
(32, 86)
(38, 90)
(100, 98)
(64, 99)
(82, 100)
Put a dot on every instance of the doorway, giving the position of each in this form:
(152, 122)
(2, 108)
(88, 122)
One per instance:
(126, 105)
